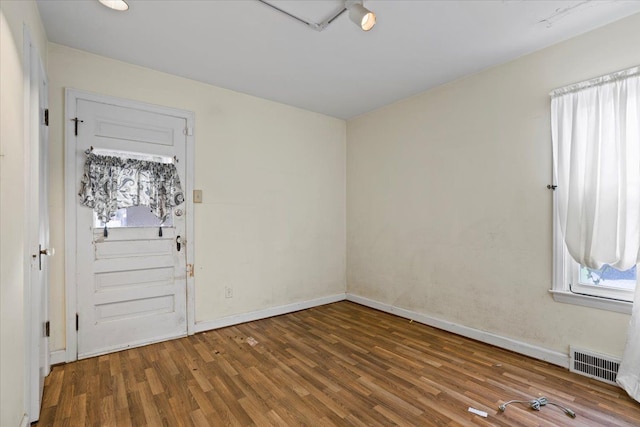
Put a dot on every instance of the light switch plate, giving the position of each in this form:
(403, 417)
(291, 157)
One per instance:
(197, 196)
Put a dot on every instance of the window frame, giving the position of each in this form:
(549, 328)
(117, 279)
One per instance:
(566, 270)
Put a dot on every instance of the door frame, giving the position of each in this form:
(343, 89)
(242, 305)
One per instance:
(35, 296)
(71, 199)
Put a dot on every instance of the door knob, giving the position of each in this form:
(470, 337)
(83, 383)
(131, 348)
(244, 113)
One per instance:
(48, 252)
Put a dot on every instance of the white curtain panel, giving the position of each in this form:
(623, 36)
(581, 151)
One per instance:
(595, 129)
(629, 373)
(596, 134)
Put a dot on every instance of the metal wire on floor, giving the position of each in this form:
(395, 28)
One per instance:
(536, 404)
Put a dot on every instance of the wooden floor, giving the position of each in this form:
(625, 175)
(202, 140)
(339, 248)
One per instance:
(339, 364)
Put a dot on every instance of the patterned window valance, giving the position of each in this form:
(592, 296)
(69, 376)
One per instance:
(110, 183)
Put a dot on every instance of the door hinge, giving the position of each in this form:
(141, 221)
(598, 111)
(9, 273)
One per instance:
(46, 117)
(47, 329)
(77, 321)
(75, 129)
(188, 131)
(190, 270)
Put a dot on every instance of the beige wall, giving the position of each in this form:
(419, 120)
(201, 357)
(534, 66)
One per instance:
(13, 15)
(272, 224)
(447, 211)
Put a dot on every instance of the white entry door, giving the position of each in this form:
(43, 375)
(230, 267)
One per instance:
(131, 280)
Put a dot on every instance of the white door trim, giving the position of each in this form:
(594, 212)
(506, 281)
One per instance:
(71, 199)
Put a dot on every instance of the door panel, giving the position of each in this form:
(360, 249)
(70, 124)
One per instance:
(106, 128)
(134, 248)
(131, 284)
(128, 129)
(158, 276)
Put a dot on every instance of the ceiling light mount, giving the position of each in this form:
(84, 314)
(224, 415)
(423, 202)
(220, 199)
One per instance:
(359, 14)
(119, 5)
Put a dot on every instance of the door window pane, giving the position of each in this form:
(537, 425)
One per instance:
(135, 216)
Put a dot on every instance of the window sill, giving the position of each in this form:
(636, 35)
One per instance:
(593, 302)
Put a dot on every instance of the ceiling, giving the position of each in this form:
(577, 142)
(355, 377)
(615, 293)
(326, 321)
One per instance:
(342, 71)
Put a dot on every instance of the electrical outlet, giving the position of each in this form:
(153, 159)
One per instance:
(228, 292)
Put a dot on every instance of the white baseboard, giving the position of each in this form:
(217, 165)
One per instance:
(236, 319)
(24, 422)
(58, 356)
(520, 347)
(536, 352)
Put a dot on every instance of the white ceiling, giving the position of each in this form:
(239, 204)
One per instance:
(342, 71)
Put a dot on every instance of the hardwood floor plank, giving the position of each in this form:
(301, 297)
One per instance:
(199, 419)
(53, 397)
(149, 408)
(231, 395)
(107, 412)
(123, 418)
(340, 364)
(136, 410)
(257, 414)
(65, 405)
(172, 410)
(203, 400)
(180, 412)
(79, 416)
(154, 381)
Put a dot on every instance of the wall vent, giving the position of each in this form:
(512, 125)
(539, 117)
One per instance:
(594, 365)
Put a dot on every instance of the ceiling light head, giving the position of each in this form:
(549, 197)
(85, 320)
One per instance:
(362, 16)
(119, 5)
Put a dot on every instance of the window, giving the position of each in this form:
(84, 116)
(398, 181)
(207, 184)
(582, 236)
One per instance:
(130, 189)
(134, 216)
(606, 281)
(595, 127)
(607, 288)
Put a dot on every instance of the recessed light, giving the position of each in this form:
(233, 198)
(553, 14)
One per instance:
(119, 5)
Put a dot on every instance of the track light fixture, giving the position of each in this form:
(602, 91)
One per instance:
(360, 15)
(363, 17)
(119, 5)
